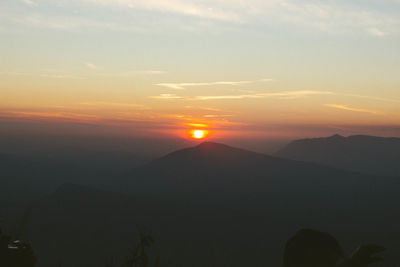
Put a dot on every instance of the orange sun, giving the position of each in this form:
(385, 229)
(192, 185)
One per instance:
(198, 134)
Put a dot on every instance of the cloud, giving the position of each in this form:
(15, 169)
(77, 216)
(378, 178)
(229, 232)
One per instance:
(182, 86)
(392, 100)
(111, 104)
(217, 115)
(148, 72)
(206, 108)
(92, 66)
(60, 76)
(281, 95)
(54, 115)
(336, 17)
(327, 16)
(202, 125)
(167, 96)
(376, 32)
(29, 2)
(343, 107)
(217, 97)
(132, 73)
(200, 9)
(266, 80)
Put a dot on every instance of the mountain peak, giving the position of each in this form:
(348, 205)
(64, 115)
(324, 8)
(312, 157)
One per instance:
(211, 145)
(336, 136)
(209, 152)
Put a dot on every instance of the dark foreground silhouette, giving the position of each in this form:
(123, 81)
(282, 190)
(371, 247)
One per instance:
(15, 253)
(310, 248)
(307, 248)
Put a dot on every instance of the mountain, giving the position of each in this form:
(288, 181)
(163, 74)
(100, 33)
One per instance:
(215, 171)
(367, 154)
(26, 177)
(214, 205)
(38, 175)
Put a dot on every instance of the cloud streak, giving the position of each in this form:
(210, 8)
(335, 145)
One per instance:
(167, 97)
(29, 2)
(199, 9)
(392, 100)
(92, 66)
(323, 16)
(281, 95)
(376, 32)
(353, 109)
(182, 86)
(111, 104)
(133, 73)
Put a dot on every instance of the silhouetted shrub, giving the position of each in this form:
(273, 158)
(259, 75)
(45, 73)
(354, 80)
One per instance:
(15, 253)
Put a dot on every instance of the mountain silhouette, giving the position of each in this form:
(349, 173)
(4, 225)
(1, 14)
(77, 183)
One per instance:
(213, 197)
(368, 154)
(212, 171)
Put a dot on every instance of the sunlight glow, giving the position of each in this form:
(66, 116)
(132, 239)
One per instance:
(198, 134)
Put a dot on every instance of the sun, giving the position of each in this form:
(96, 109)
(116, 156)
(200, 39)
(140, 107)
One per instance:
(198, 134)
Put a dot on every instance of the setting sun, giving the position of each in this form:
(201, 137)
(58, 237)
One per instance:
(198, 134)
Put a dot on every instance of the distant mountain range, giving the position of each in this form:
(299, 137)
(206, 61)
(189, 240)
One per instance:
(26, 176)
(213, 204)
(367, 154)
(212, 170)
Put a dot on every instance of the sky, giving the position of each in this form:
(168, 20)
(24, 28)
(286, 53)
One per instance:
(241, 69)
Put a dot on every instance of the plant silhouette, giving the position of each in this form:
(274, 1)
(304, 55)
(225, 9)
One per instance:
(15, 253)
(139, 256)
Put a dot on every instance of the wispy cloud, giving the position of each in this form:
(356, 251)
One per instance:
(133, 73)
(167, 96)
(200, 9)
(348, 108)
(281, 95)
(54, 115)
(111, 104)
(321, 15)
(60, 76)
(202, 125)
(376, 32)
(217, 97)
(204, 108)
(217, 115)
(91, 66)
(29, 2)
(326, 16)
(147, 72)
(182, 86)
(392, 100)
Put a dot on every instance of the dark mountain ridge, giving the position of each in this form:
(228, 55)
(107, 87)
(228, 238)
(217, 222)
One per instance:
(367, 154)
(216, 204)
(212, 172)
